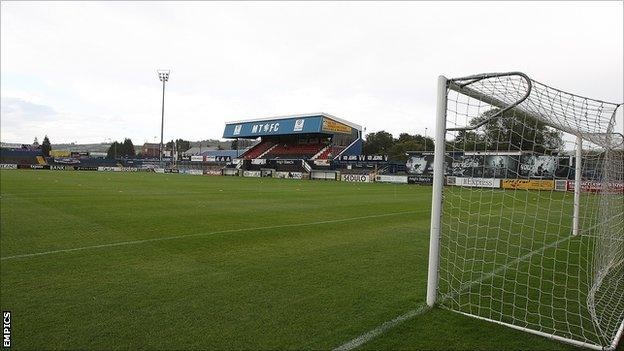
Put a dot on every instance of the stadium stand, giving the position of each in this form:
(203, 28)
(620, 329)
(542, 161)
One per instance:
(289, 151)
(311, 138)
(20, 156)
(326, 152)
(257, 150)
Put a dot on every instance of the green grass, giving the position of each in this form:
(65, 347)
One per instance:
(313, 274)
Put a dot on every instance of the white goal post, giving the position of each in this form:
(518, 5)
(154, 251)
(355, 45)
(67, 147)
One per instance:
(527, 217)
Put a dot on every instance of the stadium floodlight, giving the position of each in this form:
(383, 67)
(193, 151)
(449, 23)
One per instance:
(529, 231)
(163, 76)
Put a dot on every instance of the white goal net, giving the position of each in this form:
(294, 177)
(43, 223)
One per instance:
(528, 229)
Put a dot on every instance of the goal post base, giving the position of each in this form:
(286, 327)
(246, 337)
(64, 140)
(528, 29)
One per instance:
(537, 332)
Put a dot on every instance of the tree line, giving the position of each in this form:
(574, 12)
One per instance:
(383, 143)
(507, 132)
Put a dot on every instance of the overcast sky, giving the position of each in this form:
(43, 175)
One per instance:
(86, 72)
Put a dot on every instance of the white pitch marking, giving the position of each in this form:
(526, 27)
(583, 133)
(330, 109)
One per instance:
(420, 309)
(133, 242)
(366, 337)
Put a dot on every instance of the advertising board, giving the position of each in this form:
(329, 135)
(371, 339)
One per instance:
(561, 185)
(251, 173)
(8, 166)
(528, 184)
(336, 127)
(325, 175)
(359, 178)
(364, 158)
(420, 164)
(391, 179)
(420, 179)
(214, 172)
(109, 169)
(538, 166)
(194, 171)
(595, 187)
(197, 158)
(86, 168)
(289, 175)
(62, 168)
(474, 182)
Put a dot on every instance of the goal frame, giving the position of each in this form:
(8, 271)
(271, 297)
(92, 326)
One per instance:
(444, 85)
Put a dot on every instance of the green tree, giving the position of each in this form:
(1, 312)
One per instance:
(511, 132)
(117, 149)
(128, 148)
(46, 146)
(113, 149)
(378, 143)
(182, 145)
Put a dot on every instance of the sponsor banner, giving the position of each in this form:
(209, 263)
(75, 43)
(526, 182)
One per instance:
(172, 170)
(364, 158)
(538, 166)
(86, 168)
(289, 175)
(321, 162)
(285, 162)
(230, 171)
(420, 164)
(39, 166)
(477, 182)
(419, 179)
(258, 161)
(595, 187)
(561, 185)
(62, 168)
(237, 161)
(336, 127)
(66, 160)
(60, 153)
(465, 166)
(500, 166)
(451, 180)
(159, 170)
(251, 173)
(391, 179)
(108, 169)
(196, 158)
(528, 184)
(8, 166)
(360, 178)
(212, 172)
(194, 172)
(323, 175)
(279, 126)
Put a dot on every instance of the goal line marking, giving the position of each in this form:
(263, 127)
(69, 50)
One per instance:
(134, 242)
(420, 309)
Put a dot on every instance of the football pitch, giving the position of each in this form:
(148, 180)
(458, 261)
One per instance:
(94, 260)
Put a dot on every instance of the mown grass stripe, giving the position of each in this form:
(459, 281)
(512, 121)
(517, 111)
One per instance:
(135, 242)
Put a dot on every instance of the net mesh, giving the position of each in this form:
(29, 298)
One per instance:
(507, 248)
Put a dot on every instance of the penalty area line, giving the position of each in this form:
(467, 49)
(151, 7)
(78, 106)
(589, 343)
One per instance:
(135, 242)
(374, 333)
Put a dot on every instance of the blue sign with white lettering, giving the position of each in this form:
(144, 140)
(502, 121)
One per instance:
(273, 127)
